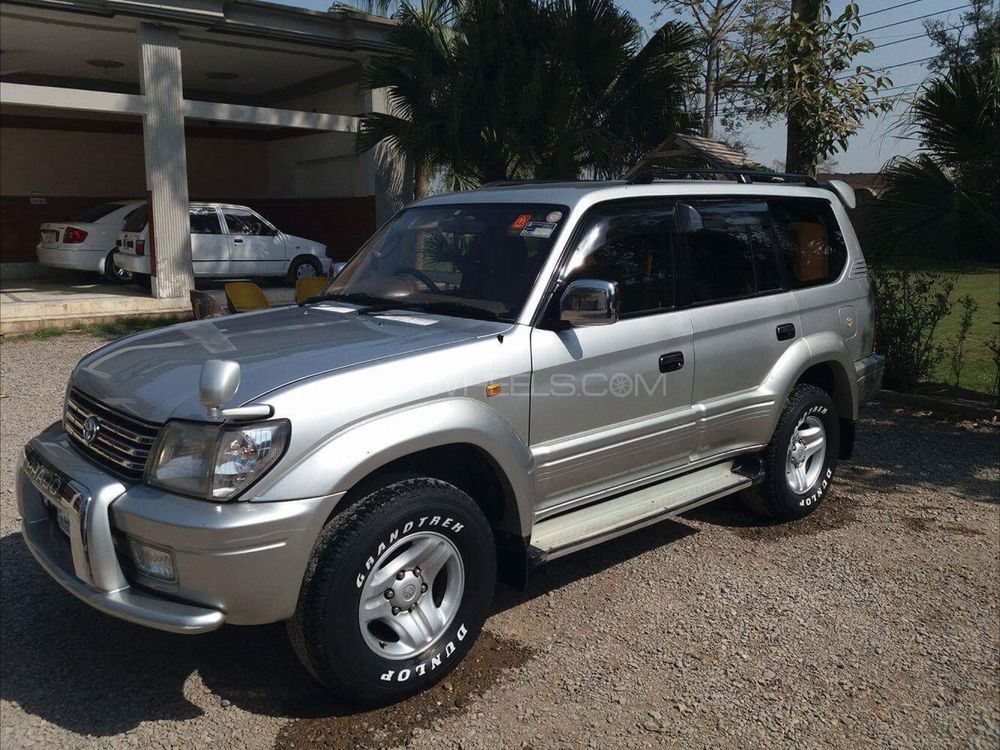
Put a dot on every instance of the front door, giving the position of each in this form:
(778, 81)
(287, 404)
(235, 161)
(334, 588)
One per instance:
(209, 246)
(611, 405)
(258, 249)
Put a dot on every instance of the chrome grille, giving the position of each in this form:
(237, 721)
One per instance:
(122, 443)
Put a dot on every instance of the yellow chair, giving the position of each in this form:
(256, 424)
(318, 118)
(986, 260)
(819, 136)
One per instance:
(310, 286)
(244, 296)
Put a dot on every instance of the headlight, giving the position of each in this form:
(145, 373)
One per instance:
(215, 462)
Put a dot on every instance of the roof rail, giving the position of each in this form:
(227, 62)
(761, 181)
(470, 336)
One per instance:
(512, 183)
(744, 176)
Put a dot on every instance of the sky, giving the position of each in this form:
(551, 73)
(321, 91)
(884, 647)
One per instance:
(875, 143)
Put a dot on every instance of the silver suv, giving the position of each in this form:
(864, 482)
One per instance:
(496, 379)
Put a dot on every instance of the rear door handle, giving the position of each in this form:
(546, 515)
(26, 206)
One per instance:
(238, 241)
(785, 331)
(671, 362)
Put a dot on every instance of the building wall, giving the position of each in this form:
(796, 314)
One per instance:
(304, 184)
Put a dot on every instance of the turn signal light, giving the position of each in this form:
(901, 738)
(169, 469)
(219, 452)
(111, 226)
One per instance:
(73, 236)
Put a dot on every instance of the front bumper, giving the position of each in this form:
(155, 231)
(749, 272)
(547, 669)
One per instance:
(869, 373)
(239, 562)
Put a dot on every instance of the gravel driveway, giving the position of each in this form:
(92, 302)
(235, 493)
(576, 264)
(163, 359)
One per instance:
(873, 622)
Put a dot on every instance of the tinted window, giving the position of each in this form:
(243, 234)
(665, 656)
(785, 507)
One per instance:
(731, 251)
(96, 213)
(631, 246)
(811, 245)
(205, 221)
(244, 221)
(136, 220)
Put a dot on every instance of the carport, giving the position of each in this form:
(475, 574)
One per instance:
(241, 101)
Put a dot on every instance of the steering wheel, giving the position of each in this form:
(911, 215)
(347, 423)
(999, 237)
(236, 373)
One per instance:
(420, 276)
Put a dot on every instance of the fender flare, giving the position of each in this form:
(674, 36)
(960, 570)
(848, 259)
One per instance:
(820, 348)
(353, 453)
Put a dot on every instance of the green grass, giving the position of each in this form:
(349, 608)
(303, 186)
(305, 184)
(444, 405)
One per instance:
(982, 283)
(113, 330)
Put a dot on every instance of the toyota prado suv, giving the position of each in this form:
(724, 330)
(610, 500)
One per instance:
(496, 379)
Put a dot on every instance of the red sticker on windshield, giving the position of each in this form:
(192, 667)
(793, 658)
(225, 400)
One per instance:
(520, 222)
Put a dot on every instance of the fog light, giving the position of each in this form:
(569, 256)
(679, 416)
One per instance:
(152, 561)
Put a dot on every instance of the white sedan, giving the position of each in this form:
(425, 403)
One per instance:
(226, 241)
(87, 241)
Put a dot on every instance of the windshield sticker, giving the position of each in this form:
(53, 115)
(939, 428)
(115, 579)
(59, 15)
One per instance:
(543, 229)
(554, 216)
(520, 222)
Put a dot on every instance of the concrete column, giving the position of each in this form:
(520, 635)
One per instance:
(381, 173)
(166, 160)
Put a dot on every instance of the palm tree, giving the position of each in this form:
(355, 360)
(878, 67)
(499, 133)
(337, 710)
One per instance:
(500, 89)
(947, 197)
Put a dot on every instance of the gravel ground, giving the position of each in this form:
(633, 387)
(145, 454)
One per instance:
(875, 621)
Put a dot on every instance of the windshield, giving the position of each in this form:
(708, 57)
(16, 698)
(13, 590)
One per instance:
(96, 213)
(470, 260)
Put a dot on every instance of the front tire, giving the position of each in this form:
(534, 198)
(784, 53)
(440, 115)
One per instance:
(304, 267)
(397, 589)
(800, 459)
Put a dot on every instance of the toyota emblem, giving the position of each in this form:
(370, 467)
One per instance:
(90, 429)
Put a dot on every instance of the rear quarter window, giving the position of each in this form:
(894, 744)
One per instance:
(136, 220)
(810, 243)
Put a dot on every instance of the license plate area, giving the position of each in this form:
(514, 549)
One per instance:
(49, 237)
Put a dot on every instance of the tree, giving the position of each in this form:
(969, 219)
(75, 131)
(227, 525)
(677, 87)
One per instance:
(499, 89)
(807, 74)
(946, 198)
(729, 32)
(972, 42)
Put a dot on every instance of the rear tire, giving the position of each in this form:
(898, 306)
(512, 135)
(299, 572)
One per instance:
(372, 625)
(303, 267)
(115, 273)
(800, 459)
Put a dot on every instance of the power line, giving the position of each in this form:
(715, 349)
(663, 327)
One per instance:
(890, 67)
(917, 36)
(915, 18)
(891, 7)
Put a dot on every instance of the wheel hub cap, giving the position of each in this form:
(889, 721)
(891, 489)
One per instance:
(806, 454)
(411, 595)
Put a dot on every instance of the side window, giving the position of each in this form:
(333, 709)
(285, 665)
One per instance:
(205, 221)
(245, 221)
(811, 245)
(632, 246)
(731, 251)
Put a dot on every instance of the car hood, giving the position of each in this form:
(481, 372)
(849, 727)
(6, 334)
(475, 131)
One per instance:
(155, 375)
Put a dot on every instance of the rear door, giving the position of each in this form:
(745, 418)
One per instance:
(257, 247)
(210, 253)
(742, 319)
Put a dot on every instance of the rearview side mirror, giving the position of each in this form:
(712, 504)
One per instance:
(589, 302)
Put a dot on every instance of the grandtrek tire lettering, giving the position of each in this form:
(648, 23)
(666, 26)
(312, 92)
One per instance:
(427, 546)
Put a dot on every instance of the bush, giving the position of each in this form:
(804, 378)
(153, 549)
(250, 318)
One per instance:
(910, 306)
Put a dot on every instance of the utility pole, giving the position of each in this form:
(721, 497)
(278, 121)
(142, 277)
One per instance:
(800, 154)
(711, 73)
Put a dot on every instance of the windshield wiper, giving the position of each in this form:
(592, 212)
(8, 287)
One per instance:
(460, 309)
(356, 298)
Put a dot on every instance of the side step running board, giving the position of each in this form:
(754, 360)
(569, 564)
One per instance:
(607, 519)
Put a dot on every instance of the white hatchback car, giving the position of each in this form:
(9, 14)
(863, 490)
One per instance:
(87, 241)
(226, 241)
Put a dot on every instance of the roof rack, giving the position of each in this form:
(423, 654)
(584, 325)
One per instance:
(511, 183)
(743, 176)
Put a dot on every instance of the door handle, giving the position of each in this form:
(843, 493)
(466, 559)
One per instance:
(671, 362)
(237, 240)
(785, 331)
